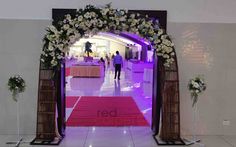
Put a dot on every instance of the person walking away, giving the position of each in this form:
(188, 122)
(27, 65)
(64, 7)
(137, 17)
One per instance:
(108, 60)
(102, 61)
(117, 63)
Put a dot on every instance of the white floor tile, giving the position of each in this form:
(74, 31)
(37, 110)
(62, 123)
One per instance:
(230, 139)
(107, 137)
(142, 137)
(75, 137)
(213, 141)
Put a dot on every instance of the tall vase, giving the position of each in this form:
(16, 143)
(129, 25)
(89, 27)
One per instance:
(18, 117)
(194, 122)
(19, 139)
(194, 139)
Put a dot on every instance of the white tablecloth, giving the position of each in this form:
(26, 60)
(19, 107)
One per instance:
(139, 66)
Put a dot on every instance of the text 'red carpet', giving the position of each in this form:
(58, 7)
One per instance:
(70, 101)
(106, 111)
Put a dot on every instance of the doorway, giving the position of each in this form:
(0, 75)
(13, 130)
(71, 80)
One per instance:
(58, 15)
(134, 90)
(165, 81)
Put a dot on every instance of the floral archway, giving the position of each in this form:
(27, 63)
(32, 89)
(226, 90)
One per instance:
(92, 20)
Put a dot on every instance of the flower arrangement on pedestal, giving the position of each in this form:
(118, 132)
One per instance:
(196, 86)
(16, 85)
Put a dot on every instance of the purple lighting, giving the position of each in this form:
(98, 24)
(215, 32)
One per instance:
(137, 37)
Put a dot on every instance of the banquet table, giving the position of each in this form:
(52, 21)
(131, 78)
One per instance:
(87, 71)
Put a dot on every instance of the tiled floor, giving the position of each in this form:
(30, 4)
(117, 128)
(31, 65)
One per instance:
(131, 84)
(116, 137)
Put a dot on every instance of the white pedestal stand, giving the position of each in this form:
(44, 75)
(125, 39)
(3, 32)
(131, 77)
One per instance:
(194, 138)
(20, 139)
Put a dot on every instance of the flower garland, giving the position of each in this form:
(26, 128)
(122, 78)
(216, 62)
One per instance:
(16, 85)
(196, 86)
(91, 20)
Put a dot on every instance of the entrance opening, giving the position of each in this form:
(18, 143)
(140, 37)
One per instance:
(94, 97)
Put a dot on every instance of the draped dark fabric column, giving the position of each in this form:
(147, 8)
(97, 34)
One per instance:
(57, 16)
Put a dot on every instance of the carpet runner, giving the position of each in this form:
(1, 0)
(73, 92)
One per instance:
(106, 111)
(70, 101)
(67, 71)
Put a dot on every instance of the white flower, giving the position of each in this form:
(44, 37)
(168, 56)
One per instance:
(166, 64)
(76, 25)
(68, 17)
(122, 19)
(93, 14)
(132, 16)
(72, 38)
(72, 23)
(93, 21)
(156, 41)
(166, 56)
(66, 26)
(52, 54)
(50, 47)
(160, 32)
(122, 12)
(88, 24)
(60, 46)
(77, 35)
(69, 31)
(80, 18)
(87, 15)
(59, 57)
(53, 29)
(104, 11)
(195, 84)
(82, 25)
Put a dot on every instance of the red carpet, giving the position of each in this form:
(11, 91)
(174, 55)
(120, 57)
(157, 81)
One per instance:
(106, 111)
(67, 71)
(70, 101)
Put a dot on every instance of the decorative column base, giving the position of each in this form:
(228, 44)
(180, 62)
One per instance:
(38, 141)
(159, 141)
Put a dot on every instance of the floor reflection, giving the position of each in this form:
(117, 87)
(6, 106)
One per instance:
(117, 91)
